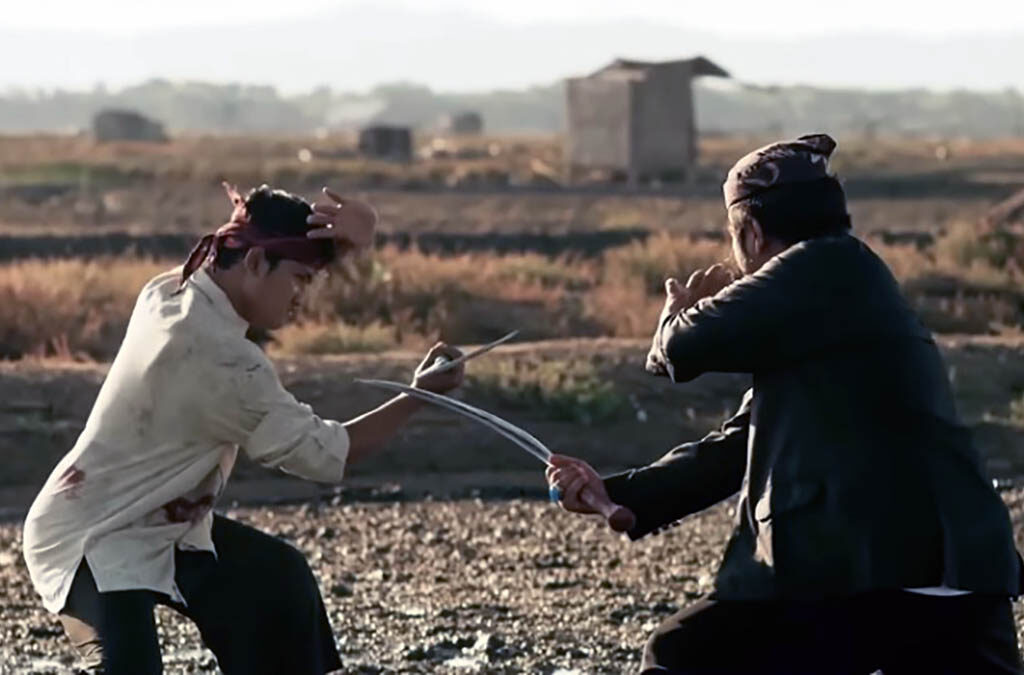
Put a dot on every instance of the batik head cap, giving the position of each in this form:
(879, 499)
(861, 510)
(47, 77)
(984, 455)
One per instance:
(785, 162)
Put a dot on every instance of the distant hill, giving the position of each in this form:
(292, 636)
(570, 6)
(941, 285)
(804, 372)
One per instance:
(323, 69)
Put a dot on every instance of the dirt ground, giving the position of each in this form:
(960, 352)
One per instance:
(440, 555)
(503, 586)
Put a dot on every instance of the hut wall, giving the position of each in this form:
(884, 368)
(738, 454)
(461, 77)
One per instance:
(599, 122)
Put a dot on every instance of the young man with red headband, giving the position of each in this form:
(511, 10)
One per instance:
(125, 520)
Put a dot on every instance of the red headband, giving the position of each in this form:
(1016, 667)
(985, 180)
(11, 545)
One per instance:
(239, 234)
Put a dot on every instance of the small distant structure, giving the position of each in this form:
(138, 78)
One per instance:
(1006, 213)
(463, 123)
(126, 125)
(386, 142)
(635, 118)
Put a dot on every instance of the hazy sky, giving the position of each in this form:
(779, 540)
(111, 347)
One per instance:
(484, 44)
(732, 17)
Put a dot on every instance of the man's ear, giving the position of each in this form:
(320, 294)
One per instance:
(255, 261)
(756, 236)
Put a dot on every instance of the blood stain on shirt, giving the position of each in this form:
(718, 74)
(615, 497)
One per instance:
(70, 482)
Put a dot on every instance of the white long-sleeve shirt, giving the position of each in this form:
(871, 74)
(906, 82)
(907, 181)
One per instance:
(186, 390)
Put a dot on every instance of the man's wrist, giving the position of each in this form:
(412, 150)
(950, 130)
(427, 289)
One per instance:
(432, 391)
(410, 402)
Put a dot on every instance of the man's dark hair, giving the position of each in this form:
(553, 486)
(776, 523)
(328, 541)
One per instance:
(795, 212)
(278, 214)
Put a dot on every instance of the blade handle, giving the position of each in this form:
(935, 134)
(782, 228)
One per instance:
(619, 518)
(440, 364)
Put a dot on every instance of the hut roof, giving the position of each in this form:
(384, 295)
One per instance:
(638, 69)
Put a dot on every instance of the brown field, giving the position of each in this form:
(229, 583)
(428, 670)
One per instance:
(478, 239)
(475, 238)
(73, 185)
(467, 264)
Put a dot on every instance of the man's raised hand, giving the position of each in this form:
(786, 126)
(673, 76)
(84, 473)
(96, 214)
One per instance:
(701, 284)
(351, 221)
(439, 382)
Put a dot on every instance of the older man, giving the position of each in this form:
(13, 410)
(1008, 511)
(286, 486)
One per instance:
(125, 520)
(867, 535)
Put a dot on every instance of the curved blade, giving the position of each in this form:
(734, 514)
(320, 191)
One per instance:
(520, 437)
(448, 365)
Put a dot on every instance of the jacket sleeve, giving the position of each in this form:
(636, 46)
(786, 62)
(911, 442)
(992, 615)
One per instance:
(688, 479)
(756, 323)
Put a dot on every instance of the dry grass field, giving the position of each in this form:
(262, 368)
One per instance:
(79, 308)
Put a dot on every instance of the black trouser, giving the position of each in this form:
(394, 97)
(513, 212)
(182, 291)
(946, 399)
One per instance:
(894, 631)
(257, 607)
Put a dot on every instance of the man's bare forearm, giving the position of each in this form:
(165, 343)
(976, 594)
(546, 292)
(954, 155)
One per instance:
(369, 432)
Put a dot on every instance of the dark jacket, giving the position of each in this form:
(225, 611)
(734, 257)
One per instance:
(853, 469)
